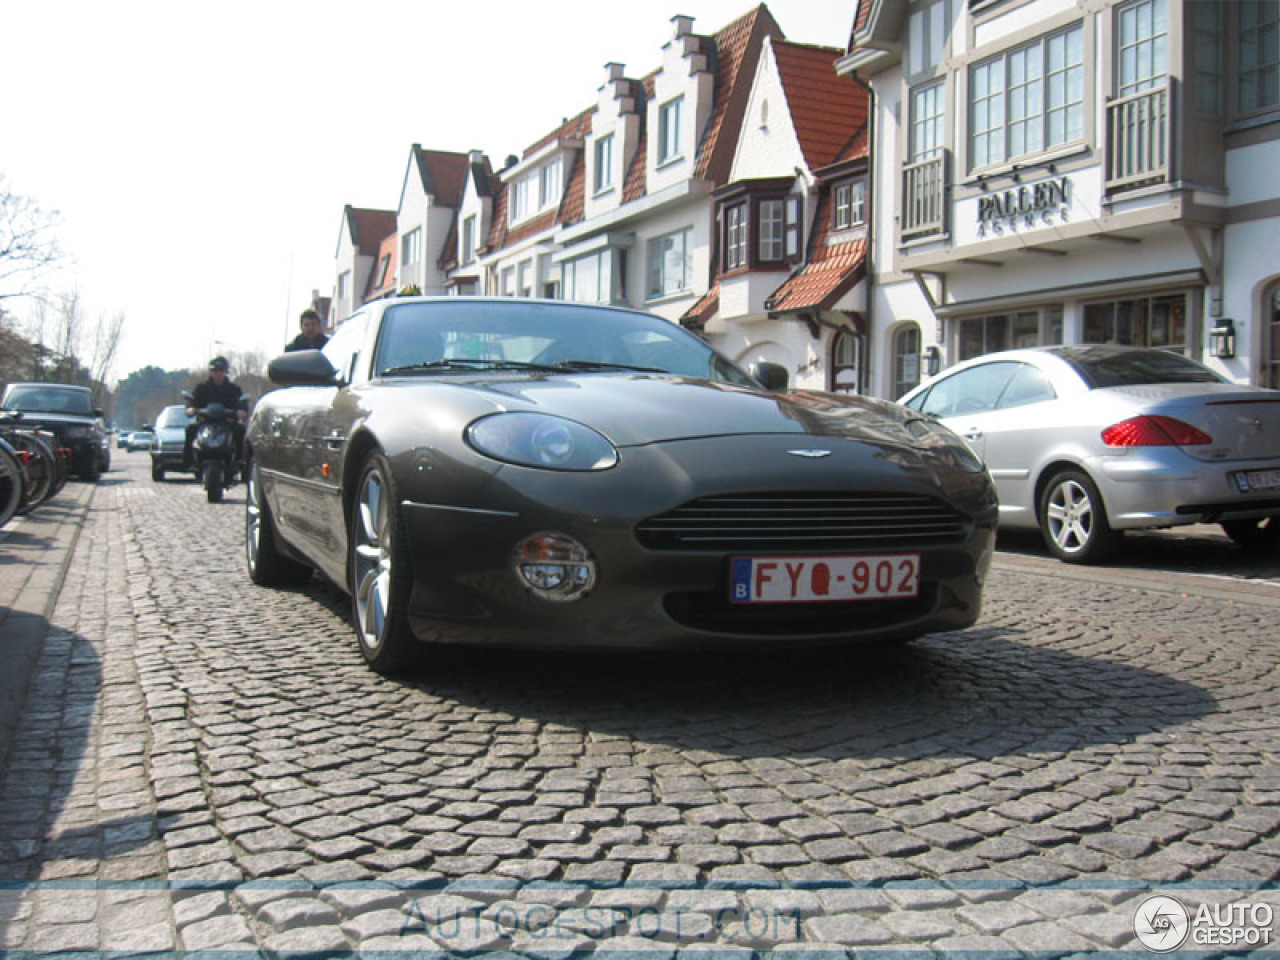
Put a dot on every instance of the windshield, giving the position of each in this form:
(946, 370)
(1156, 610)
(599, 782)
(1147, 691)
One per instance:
(425, 338)
(46, 399)
(1109, 367)
(173, 417)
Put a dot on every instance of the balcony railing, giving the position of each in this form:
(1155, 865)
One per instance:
(924, 194)
(1139, 139)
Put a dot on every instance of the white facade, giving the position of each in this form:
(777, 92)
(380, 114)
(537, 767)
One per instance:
(1048, 171)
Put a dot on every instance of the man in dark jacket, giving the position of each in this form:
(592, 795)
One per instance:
(217, 389)
(312, 336)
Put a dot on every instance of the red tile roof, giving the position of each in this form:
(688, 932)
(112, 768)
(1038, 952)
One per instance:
(443, 174)
(737, 49)
(832, 271)
(697, 315)
(367, 228)
(634, 186)
(824, 107)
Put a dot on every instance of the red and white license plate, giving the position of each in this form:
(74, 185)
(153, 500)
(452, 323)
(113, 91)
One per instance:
(1258, 480)
(818, 579)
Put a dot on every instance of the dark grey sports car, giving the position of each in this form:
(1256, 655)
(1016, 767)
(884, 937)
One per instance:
(515, 472)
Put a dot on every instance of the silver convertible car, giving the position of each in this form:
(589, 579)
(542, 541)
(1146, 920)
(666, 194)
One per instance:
(1085, 442)
(514, 472)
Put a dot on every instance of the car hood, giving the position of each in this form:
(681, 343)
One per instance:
(55, 421)
(643, 408)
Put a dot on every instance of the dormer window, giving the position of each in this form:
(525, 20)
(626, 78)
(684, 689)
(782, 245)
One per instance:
(468, 239)
(850, 204)
(412, 247)
(669, 130)
(522, 198)
(760, 224)
(549, 184)
(603, 178)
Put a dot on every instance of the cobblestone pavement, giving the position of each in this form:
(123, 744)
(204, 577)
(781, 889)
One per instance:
(204, 765)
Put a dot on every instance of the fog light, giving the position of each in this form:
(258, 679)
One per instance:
(555, 567)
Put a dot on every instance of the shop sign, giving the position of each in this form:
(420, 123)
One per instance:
(1028, 206)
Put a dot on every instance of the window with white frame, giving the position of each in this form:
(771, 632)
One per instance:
(549, 184)
(598, 277)
(411, 247)
(670, 264)
(928, 121)
(602, 179)
(906, 358)
(522, 197)
(344, 284)
(1027, 99)
(1142, 45)
(669, 129)
(772, 220)
(735, 245)
(468, 239)
(927, 36)
(508, 281)
(850, 204)
(1258, 53)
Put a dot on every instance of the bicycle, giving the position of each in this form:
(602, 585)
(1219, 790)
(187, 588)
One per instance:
(12, 482)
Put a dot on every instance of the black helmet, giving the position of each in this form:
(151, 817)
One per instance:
(219, 363)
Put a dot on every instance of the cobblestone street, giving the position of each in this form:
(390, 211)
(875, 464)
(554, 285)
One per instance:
(206, 765)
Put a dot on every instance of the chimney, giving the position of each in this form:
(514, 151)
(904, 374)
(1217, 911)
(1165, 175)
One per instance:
(612, 71)
(684, 25)
(475, 157)
(512, 160)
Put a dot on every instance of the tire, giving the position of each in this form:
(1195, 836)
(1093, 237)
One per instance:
(157, 473)
(91, 474)
(11, 484)
(213, 481)
(379, 570)
(41, 469)
(1073, 519)
(1254, 535)
(268, 567)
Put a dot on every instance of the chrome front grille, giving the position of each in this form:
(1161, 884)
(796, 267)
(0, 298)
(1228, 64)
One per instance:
(804, 521)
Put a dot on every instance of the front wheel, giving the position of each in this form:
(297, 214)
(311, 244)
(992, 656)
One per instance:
(1254, 535)
(213, 480)
(378, 565)
(1073, 519)
(268, 567)
(157, 473)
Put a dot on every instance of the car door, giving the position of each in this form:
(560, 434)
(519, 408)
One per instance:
(1015, 434)
(964, 399)
(308, 426)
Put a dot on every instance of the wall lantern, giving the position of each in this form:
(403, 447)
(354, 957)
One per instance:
(932, 361)
(1222, 339)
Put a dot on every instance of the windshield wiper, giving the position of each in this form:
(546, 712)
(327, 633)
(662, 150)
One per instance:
(468, 363)
(601, 365)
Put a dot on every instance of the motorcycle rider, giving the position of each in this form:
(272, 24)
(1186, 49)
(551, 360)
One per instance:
(217, 389)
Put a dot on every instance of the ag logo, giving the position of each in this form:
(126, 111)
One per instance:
(1161, 924)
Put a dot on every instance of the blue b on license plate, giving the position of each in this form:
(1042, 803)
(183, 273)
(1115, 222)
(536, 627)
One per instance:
(818, 579)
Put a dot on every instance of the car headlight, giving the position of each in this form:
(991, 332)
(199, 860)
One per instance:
(541, 440)
(943, 443)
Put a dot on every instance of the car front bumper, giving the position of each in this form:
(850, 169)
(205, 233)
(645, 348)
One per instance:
(466, 589)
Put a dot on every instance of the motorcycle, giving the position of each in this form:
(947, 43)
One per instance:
(214, 449)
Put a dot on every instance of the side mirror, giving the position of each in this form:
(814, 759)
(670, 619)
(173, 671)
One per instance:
(771, 376)
(302, 368)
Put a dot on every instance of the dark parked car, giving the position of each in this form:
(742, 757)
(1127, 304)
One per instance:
(68, 411)
(169, 440)
(521, 472)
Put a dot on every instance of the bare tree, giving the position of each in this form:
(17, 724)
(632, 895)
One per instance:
(28, 247)
(102, 349)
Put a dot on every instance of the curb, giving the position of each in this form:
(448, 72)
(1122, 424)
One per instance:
(35, 552)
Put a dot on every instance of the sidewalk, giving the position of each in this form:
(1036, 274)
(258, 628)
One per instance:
(35, 551)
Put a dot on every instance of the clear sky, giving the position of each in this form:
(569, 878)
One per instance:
(199, 155)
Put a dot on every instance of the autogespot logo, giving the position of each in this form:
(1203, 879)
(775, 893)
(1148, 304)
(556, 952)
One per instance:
(1161, 924)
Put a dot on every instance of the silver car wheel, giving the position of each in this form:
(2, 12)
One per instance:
(1070, 516)
(372, 555)
(252, 522)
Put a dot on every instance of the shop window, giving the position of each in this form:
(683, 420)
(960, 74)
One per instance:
(1139, 322)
